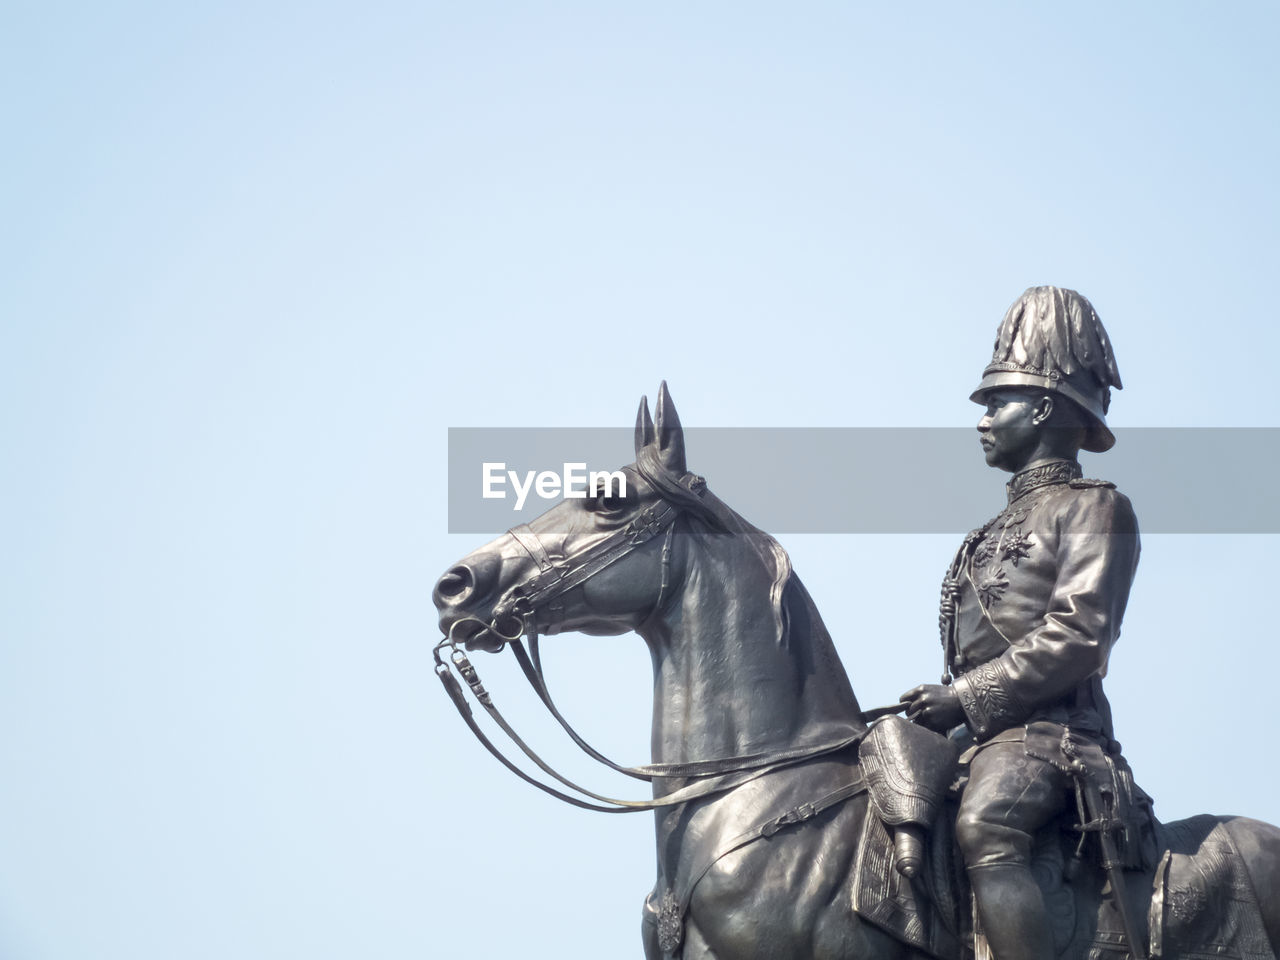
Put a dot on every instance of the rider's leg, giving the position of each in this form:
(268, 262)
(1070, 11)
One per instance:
(1009, 797)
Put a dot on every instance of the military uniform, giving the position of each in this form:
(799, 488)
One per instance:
(1040, 593)
(1031, 608)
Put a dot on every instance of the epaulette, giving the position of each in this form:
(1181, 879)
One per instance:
(1084, 484)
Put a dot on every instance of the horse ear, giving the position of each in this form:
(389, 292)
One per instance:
(644, 425)
(670, 434)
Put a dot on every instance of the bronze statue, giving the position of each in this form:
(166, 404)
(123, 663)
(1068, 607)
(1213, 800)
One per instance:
(777, 798)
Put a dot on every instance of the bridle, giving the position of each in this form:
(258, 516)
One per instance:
(557, 576)
(543, 592)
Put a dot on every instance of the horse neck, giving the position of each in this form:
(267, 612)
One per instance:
(726, 683)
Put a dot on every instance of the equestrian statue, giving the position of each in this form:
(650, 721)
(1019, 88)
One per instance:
(998, 819)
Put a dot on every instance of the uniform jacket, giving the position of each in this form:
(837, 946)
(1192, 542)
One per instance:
(1033, 602)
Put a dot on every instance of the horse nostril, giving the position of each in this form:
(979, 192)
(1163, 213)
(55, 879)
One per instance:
(454, 585)
(469, 582)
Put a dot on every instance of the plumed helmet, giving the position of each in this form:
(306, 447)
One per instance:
(1051, 339)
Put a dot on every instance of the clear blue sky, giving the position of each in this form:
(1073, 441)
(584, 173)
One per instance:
(259, 257)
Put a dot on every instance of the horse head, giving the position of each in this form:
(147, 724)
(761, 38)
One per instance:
(533, 575)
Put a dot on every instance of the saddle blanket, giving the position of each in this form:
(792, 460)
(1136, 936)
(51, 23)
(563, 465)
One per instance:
(1203, 903)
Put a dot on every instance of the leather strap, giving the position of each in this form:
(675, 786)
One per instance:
(556, 577)
(698, 768)
(767, 828)
(713, 777)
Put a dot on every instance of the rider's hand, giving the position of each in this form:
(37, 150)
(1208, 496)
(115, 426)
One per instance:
(934, 706)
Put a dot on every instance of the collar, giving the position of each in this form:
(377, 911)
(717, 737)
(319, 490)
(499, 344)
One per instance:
(1052, 471)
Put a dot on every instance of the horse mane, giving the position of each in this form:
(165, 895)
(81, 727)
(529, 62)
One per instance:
(719, 518)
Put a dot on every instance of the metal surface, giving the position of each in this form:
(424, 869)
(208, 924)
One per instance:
(743, 667)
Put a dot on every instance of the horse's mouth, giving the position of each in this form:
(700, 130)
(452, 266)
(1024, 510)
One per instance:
(472, 633)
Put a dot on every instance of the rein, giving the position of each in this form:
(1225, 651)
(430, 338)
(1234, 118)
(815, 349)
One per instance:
(711, 777)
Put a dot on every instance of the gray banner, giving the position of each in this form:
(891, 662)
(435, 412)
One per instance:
(869, 480)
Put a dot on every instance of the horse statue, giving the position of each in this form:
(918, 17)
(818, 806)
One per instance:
(769, 843)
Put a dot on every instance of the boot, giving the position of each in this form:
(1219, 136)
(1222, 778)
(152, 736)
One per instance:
(1012, 912)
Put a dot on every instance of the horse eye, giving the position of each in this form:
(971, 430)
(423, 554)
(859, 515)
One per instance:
(606, 501)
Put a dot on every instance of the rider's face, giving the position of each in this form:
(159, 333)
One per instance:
(1010, 429)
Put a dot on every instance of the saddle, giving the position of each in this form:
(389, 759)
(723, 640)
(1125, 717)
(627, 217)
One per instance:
(1181, 890)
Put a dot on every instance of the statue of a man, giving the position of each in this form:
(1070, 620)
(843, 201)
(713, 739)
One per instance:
(1031, 607)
